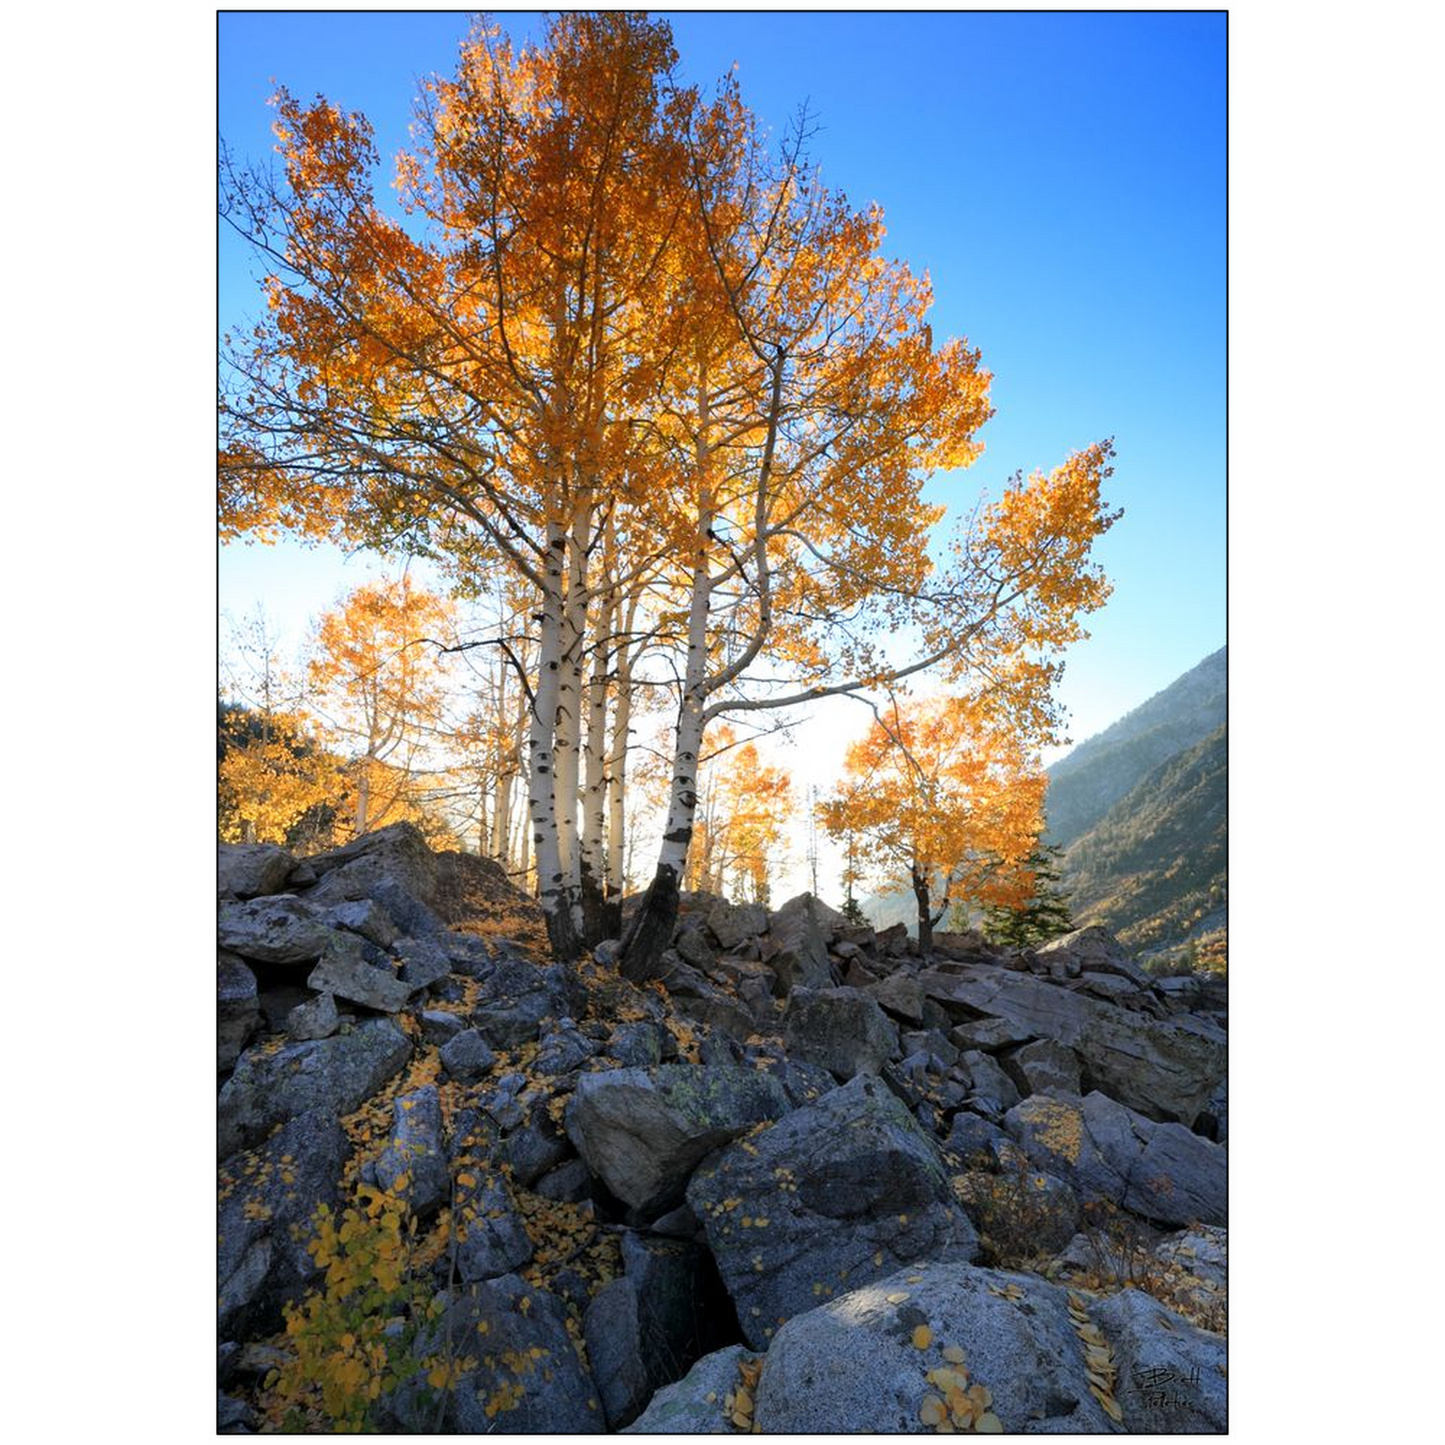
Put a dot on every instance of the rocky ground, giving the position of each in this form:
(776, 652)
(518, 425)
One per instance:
(809, 1181)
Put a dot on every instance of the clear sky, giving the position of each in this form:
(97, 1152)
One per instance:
(1062, 178)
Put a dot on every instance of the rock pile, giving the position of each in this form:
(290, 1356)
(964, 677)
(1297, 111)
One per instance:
(809, 1180)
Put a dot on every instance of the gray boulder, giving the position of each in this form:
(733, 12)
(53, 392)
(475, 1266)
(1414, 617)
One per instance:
(570, 1181)
(1165, 1068)
(1161, 1172)
(828, 921)
(721, 1015)
(440, 1027)
(854, 1364)
(469, 954)
(345, 970)
(734, 923)
(644, 1130)
(423, 962)
(693, 947)
(799, 934)
(839, 1029)
(975, 1140)
(615, 1352)
(929, 1041)
(366, 917)
(668, 1275)
(694, 1405)
(1171, 1376)
(901, 995)
(959, 945)
(1202, 1252)
(802, 1083)
(700, 1000)
(233, 1415)
(509, 1025)
(247, 870)
(894, 942)
(336, 1074)
(643, 1330)
(562, 1049)
(991, 1086)
(317, 1018)
(411, 916)
(466, 1057)
(527, 1379)
(238, 1009)
(833, 1196)
(397, 854)
(535, 1146)
(278, 929)
(492, 1240)
(863, 972)
(501, 1100)
(414, 1153)
(268, 1200)
(519, 996)
(988, 1035)
(1095, 950)
(1044, 1067)
(638, 1045)
(279, 1000)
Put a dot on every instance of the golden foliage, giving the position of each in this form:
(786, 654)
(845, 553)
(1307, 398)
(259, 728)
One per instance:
(946, 794)
(378, 682)
(273, 774)
(344, 1353)
(742, 819)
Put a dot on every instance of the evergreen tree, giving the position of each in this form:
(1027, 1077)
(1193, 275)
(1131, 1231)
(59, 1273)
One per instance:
(1044, 916)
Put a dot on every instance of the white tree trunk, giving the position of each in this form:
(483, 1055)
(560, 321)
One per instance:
(651, 930)
(505, 771)
(594, 804)
(617, 855)
(569, 714)
(617, 778)
(542, 791)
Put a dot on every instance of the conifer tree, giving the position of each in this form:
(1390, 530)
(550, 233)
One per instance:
(1043, 916)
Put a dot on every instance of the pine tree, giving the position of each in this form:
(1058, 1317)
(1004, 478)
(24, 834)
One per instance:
(1044, 916)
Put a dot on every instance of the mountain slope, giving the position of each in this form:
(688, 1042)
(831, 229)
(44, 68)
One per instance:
(1153, 868)
(1084, 785)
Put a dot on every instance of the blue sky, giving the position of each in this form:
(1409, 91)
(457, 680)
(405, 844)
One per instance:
(1061, 177)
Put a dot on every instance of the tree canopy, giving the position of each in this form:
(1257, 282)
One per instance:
(622, 353)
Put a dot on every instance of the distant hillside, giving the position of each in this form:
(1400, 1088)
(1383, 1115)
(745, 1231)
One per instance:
(1084, 785)
(1153, 868)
